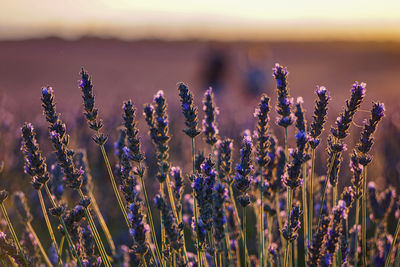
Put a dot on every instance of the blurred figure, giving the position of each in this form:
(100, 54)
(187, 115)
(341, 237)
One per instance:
(215, 67)
(257, 73)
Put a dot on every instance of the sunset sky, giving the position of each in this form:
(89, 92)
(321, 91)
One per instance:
(206, 19)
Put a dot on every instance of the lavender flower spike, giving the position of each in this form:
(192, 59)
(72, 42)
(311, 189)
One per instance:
(315, 249)
(219, 219)
(366, 139)
(189, 111)
(290, 231)
(35, 164)
(319, 117)
(172, 231)
(244, 169)
(224, 159)
(284, 101)
(339, 213)
(346, 117)
(210, 127)
(86, 85)
(157, 120)
(261, 114)
(132, 132)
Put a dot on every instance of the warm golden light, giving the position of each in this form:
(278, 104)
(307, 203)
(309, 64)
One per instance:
(340, 19)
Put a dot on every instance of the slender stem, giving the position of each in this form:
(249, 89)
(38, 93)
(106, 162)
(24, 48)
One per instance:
(48, 224)
(228, 243)
(42, 251)
(245, 231)
(60, 250)
(389, 256)
(269, 222)
(311, 203)
(335, 195)
(324, 190)
(305, 212)
(95, 233)
(177, 218)
(289, 190)
(102, 222)
(143, 260)
(289, 210)
(14, 235)
(397, 258)
(296, 253)
(278, 211)
(286, 263)
(364, 217)
(150, 217)
(114, 185)
(356, 231)
(162, 228)
(261, 218)
(53, 203)
(195, 204)
(239, 223)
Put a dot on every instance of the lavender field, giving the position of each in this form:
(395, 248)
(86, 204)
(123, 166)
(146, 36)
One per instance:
(195, 153)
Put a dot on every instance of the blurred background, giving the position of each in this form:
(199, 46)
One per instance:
(132, 49)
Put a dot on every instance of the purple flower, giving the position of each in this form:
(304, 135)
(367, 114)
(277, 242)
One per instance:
(210, 127)
(284, 101)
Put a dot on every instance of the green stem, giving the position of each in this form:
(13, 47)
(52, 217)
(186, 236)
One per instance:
(228, 245)
(143, 260)
(245, 231)
(162, 228)
(261, 246)
(356, 231)
(364, 217)
(48, 224)
(335, 195)
(286, 262)
(305, 212)
(177, 218)
(195, 204)
(60, 250)
(269, 222)
(149, 215)
(278, 211)
(311, 203)
(114, 185)
(53, 203)
(247, 259)
(14, 235)
(95, 233)
(389, 256)
(324, 190)
(42, 251)
(289, 210)
(102, 222)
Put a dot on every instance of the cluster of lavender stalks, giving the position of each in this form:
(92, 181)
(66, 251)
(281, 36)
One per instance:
(209, 225)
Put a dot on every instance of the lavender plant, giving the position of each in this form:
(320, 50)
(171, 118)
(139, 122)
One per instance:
(201, 225)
